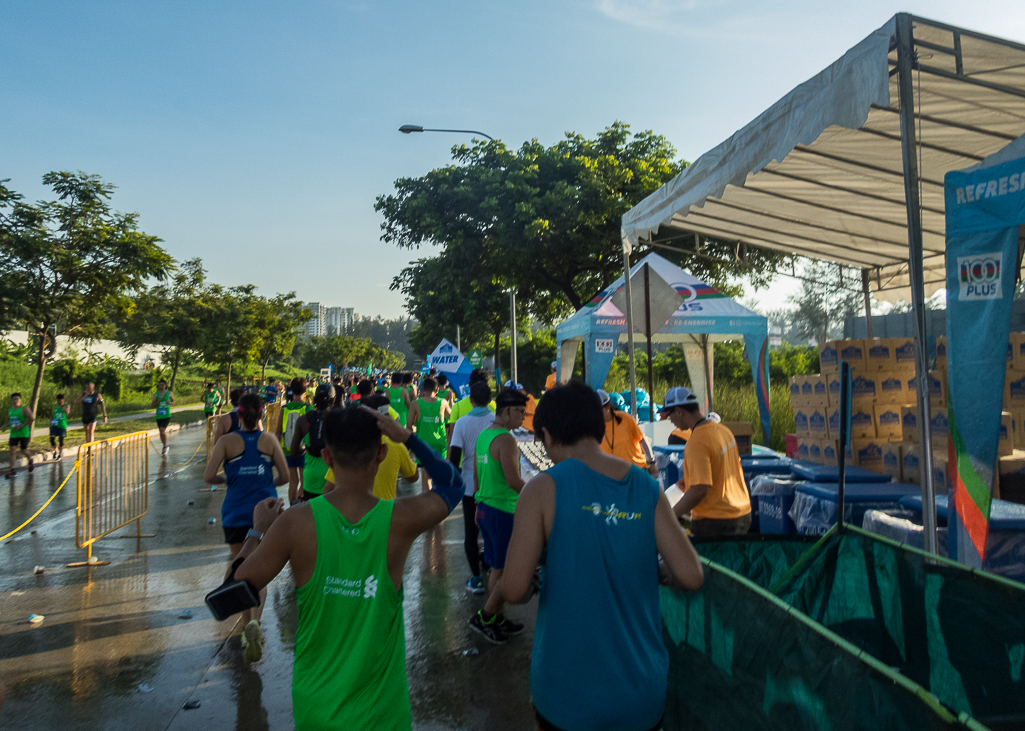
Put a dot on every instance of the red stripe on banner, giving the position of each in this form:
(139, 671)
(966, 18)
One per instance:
(968, 511)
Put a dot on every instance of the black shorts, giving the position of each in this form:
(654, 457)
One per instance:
(236, 533)
(90, 420)
(162, 423)
(56, 431)
(19, 442)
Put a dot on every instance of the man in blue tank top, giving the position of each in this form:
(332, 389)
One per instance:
(598, 661)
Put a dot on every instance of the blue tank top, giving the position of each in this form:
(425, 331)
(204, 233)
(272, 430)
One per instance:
(599, 660)
(250, 480)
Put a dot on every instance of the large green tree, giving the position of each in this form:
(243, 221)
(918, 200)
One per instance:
(172, 315)
(233, 328)
(281, 318)
(67, 266)
(545, 220)
(451, 290)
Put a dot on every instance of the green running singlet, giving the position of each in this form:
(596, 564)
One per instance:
(350, 646)
(60, 417)
(429, 427)
(397, 403)
(210, 401)
(164, 405)
(19, 428)
(494, 490)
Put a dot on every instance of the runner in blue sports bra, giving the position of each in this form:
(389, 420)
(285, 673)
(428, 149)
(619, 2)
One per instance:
(249, 456)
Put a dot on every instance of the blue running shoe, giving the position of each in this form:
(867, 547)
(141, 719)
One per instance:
(475, 585)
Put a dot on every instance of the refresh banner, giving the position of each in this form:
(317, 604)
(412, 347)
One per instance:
(984, 209)
(447, 359)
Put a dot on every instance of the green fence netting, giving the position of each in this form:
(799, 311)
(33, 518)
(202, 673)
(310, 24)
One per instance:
(740, 658)
(958, 633)
(761, 558)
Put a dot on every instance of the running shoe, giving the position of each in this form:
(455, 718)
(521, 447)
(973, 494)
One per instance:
(490, 629)
(10, 475)
(507, 626)
(55, 457)
(60, 454)
(475, 585)
(163, 452)
(252, 641)
(31, 464)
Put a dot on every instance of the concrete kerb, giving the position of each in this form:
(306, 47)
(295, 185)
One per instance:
(43, 457)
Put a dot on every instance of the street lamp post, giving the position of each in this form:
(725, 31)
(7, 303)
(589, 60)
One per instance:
(408, 129)
(512, 325)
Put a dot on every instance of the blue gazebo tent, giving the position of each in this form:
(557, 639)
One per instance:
(707, 316)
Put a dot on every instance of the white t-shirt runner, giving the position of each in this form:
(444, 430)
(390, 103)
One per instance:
(464, 436)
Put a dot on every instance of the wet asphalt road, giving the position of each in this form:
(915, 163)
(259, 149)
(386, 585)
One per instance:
(113, 652)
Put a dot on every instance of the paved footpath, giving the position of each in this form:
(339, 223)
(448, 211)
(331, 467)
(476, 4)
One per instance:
(76, 424)
(114, 653)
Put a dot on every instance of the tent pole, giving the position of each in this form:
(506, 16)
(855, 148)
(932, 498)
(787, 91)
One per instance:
(868, 303)
(647, 334)
(909, 149)
(512, 326)
(630, 329)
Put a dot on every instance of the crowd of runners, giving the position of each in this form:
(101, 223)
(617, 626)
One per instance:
(594, 533)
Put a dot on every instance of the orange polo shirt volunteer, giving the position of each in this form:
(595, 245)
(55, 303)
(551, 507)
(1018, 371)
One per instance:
(623, 439)
(711, 458)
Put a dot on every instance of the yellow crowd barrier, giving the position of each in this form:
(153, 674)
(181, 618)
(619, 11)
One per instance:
(113, 489)
(211, 422)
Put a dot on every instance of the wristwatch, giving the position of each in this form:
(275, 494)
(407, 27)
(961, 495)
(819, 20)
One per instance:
(253, 533)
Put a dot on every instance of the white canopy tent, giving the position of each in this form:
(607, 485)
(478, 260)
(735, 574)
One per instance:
(848, 167)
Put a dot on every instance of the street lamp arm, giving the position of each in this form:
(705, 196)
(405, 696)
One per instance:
(409, 128)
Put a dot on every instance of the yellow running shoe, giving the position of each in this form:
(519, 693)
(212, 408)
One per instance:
(252, 641)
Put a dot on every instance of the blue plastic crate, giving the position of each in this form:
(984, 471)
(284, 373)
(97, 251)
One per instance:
(814, 472)
(816, 504)
(1005, 544)
(774, 495)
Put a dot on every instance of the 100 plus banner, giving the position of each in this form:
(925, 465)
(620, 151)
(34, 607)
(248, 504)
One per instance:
(984, 208)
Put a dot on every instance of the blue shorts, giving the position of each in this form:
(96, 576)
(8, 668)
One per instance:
(496, 528)
(296, 461)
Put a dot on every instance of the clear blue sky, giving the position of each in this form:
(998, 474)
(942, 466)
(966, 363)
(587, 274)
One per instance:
(257, 135)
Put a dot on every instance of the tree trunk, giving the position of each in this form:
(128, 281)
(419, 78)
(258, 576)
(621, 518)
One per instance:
(174, 368)
(227, 389)
(263, 371)
(37, 387)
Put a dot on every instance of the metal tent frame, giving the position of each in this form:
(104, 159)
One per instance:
(848, 167)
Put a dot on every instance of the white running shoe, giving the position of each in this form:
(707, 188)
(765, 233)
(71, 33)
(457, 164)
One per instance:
(163, 452)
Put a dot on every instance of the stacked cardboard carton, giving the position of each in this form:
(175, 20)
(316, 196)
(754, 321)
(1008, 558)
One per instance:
(884, 429)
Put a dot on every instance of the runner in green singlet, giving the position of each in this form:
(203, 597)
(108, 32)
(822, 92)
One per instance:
(20, 421)
(427, 416)
(59, 426)
(395, 399)
(211, 400)
(497, 474)
(347, 551)
(308, 440)
(163, 400)
(444, 392)
(291, 410)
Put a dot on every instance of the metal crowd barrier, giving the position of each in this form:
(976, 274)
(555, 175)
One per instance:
(113, 490)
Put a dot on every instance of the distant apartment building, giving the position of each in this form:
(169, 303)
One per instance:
(337, 320)
(316, 325)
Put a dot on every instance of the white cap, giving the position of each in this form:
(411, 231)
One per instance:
(514, 386)
(679, 396)
(603, 395)
(554, 364)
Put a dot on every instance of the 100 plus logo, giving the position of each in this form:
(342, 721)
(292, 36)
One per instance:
(979, 276)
